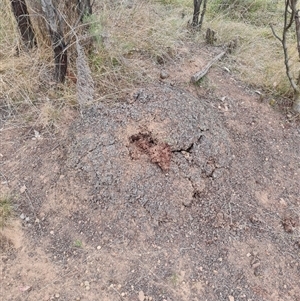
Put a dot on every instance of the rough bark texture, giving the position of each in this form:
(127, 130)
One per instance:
(20, 11)
(197, 4)
(59, 47)
(202, 14)
(297, 23)
(296, 105)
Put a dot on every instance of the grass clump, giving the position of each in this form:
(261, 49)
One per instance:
(258, 59)
(132, 40)
(78, 243)
(6, 210)
(256, 12)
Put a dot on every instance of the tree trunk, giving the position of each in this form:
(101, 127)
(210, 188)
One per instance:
(296, 104)
(54, 23)
(197, 4)
(20, 11)
(297, 23)
(202, 14)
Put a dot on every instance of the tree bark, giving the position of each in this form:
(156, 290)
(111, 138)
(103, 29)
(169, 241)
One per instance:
(54, 23)
(297, 22)
(20, 11)
(202, 14)
(197, 4)
(296, 104)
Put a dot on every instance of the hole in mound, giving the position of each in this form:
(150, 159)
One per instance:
(158, 152)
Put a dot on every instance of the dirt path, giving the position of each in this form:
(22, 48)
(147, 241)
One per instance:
(102, 217)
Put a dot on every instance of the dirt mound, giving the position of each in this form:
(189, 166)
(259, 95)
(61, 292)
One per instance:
(216, 216)
(191, 133)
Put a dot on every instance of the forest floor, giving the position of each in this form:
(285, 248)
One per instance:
(176, 192)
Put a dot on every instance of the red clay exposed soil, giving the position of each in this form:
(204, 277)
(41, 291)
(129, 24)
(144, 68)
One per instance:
(158, 152)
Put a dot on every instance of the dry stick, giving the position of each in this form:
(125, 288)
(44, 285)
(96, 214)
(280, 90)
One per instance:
(203, 72)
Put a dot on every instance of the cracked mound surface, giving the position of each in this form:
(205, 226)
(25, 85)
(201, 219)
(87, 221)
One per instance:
(222, 220)
(186, 125)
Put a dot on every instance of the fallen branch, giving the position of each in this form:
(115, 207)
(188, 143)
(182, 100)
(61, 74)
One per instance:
(203, 72)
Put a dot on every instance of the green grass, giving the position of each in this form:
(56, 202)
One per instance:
(78, 243)
(6, 210)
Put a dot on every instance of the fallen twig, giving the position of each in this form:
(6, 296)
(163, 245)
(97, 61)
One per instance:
(203, 72)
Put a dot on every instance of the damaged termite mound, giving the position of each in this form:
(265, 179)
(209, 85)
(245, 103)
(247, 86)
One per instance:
(158, 152)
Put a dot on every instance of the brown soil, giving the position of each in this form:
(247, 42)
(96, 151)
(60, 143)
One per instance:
(182, 193)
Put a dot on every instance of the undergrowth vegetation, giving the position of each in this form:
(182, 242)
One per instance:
(5, 210)
(130, 38)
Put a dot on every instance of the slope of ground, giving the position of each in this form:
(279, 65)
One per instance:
(176, 193)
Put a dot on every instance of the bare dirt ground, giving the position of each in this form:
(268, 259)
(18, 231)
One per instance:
(178, 192)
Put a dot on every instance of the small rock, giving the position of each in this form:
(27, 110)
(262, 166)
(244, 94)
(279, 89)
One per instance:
(22, 216)
(164, 75)
(230, 298)
(187, 202)
(22, 189)
(86, 283)
(257, 271)
(57, 296)
(25, 288)
(87, 288)
(141, 296)
(256, 265)
(99, 247)
(51, 232)
(27, 219)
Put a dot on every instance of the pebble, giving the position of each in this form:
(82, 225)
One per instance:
(141, 296)
(22, 216)
(231, 298)
(187, 202)
(99, 247)
(86, 283)
(164, 75)
(57, 296)
(87, 288)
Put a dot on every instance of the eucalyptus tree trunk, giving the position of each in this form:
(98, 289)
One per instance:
(20, 11)
(196, 15)
(197, 4)
(55, 27)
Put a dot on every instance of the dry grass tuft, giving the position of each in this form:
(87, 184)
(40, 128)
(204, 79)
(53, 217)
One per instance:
(133, 38)
(259, 58)
(130, 39)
